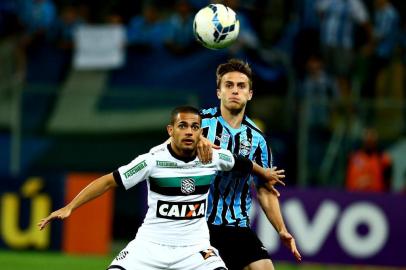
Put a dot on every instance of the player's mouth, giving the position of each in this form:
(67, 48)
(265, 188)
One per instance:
(188, 141)
(234, 100)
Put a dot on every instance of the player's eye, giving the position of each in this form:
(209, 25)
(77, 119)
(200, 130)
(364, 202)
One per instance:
(242, 86)
(195, 127)
(182, 126)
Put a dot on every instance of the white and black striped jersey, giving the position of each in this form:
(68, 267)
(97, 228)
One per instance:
(177, 193)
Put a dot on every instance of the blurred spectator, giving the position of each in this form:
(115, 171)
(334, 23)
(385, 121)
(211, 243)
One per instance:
(180, 38)
(320, 91)
(7, 8)
(306, 39)
(369, 169)
(385, 37)
(339, 19)
(67, 23)
(318, 95)
(397, 152)
(38, 17)
(386, 29)
(12, 55)
(147, 30)
(247, 37)
(308, 14)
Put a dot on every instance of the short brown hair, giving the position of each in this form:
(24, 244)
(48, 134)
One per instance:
(234, 65)
(183, 109)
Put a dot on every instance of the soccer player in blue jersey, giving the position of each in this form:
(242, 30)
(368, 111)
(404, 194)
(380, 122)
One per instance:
(229, 199)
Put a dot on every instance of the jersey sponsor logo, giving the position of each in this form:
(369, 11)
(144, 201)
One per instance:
(187, 185)
(135, 169)
(194, 164)
(225, 157)
(166, 164)
(245, 147)
(181, 210)
(171, 164)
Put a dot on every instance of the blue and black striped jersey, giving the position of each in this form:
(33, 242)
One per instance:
(229, 199)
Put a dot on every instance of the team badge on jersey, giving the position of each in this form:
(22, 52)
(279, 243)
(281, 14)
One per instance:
(245, 147)
(187, 185)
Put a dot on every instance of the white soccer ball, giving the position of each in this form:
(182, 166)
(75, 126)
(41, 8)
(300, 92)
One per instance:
(216, 26)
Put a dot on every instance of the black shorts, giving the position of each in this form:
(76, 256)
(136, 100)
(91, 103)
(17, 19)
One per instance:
(238, 247)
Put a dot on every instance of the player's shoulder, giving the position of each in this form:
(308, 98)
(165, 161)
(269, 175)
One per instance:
(147, 157)
(159, 149)
(210, 112)
(249, 123)
(154, 153)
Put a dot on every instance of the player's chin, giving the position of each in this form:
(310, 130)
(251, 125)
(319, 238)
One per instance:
(189, 146)
(234, 105)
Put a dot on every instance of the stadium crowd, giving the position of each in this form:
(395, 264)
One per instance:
(334, 61)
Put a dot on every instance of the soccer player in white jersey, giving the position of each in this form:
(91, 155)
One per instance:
(174, 234)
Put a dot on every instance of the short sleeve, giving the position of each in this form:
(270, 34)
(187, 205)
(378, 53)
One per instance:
(223, 159)
(263, 157)
(136, 171)
(159, 148)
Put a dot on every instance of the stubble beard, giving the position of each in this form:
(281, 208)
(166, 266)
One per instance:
(234, 110)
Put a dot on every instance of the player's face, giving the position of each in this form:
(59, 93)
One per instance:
(234, 91)
(185, 133)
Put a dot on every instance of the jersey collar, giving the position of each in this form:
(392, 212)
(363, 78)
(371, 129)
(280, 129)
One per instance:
(232, 130)
(184, 159)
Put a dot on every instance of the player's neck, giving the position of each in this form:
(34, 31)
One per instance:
(233, 118)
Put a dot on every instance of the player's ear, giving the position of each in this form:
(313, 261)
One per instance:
(169, 128)
(251, 93)
(218, 93)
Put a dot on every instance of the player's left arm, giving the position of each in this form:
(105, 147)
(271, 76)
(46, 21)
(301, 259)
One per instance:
(270, 204)
(268, 199)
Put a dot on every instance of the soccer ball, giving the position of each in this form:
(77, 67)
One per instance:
(216, 26)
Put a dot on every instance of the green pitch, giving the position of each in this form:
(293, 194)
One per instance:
(23, 260)
(36, 260)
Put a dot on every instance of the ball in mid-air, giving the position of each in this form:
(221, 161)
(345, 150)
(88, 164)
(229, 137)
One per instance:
(216, 26)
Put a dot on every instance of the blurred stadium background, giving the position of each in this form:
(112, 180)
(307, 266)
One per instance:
(85, 86)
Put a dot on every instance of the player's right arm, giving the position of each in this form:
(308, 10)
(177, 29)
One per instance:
(126, 176)
(224, 160)
(96, 188)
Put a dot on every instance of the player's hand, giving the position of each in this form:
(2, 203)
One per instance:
(58, 214)
(288, 240)
(205, 150)
(274, 176)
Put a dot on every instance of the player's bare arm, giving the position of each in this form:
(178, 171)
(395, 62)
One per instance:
(205, 150)
(271, 185)
(270, 204)
(90, 192)
(272, 175)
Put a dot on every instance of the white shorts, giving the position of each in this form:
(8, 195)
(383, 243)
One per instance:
(144, 255)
